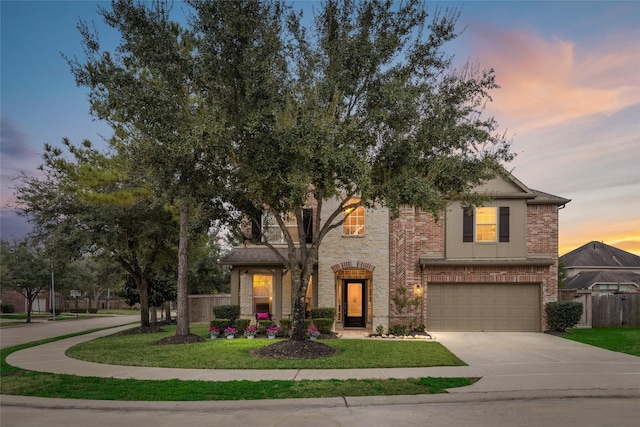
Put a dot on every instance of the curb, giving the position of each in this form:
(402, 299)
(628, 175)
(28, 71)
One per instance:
(331, 402)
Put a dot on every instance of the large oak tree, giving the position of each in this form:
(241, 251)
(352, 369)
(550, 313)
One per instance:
(359, 102)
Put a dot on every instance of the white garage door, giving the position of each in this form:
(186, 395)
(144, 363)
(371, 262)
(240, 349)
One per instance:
(484, 307)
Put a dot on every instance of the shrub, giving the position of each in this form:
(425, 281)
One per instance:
(324, 325)
(379, 329)
(92, 310)
(285, 326)
(231, 312)
(220, 324)
(398, 330)
(58, 311)
(323, 313)
(242, 325)
(77, 310)
(263, 325)
(563, 314)
(7, 308)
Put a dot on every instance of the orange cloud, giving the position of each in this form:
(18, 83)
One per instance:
(549, 81)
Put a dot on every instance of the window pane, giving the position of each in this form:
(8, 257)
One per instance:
(486, 224)
(354, 222)
(262, 285)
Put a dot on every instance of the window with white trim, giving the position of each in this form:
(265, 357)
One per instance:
(353, 224)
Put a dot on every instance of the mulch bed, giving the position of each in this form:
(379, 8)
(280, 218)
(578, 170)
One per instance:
(291, 349)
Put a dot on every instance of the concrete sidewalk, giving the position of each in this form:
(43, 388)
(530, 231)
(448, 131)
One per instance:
(506, 362)
(51, 358)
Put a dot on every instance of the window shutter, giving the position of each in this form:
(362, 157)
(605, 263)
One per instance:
(307, 223)
(256, 224)
(467, 225)
(504, 224)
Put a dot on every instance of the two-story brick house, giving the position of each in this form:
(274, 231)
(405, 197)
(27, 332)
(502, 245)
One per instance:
(491, 268)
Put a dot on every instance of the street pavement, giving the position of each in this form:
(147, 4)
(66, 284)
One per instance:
(512, 367)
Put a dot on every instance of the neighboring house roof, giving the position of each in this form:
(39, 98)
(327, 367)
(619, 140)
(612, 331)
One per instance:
(253, 256)
(597, 255)
(586, 279)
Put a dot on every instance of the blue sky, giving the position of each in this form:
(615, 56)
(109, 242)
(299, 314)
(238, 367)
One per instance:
(569, 99)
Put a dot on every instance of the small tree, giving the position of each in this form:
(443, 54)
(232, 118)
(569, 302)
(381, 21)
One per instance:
(405, 304)
(25, 269)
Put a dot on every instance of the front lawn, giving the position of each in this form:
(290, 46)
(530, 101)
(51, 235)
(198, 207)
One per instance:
(622, 340)
(221, 353)
(17, 381)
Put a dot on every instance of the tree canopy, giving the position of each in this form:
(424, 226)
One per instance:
(253, 106)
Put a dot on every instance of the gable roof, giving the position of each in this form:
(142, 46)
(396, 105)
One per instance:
(586, 279)
(507, 186)
(598, 254)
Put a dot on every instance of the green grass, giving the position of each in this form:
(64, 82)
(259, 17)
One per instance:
(140, 350)
(17, 381)
(622, 340)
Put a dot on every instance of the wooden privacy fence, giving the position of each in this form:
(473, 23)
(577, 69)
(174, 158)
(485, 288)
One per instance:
(605, 311)
(611, 311)
(201, 306)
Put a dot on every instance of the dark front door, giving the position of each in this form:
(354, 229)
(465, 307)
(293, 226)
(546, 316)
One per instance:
(355, 299)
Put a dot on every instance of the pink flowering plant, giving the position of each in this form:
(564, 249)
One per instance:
(272, 331)
(230, 331)
(313, 332)
(251, 331)
(213, 332)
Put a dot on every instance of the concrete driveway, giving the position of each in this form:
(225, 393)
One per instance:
(522, 361)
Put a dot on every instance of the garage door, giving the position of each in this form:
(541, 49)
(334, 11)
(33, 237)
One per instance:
(483, 307)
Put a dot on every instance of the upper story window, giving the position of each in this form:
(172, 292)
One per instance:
(272, 233)
(353, 224)
(486, 224)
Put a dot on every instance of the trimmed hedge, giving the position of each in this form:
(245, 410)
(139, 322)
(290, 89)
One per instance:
(323, 313)
(241, 325)
(263, 325)
(324, 325)
(285, 326)
(220, 324)
(563, 314)
(77, 310)
(92, 310)
(231, 312)
(7, 308)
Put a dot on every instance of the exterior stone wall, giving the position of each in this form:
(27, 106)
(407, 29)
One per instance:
(369, 252)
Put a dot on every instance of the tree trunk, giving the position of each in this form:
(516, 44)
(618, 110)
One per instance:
(182, 319)
(153, 311)
(300, 283)
(167, 316)
(143, 290)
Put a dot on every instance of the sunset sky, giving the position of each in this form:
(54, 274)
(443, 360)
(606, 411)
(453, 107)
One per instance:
(570, 100)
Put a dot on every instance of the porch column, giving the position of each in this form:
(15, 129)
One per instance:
(235, 286)
(277, 295)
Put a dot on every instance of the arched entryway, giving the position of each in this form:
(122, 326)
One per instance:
(354, 299)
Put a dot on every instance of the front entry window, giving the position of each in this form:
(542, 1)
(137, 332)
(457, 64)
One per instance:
(262, 292)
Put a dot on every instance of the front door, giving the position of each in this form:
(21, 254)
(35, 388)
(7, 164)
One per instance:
(355, 298)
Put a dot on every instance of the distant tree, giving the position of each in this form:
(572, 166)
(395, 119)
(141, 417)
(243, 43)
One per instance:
(562, 274)
(362, 106)
(92, 276)
(91, 203)
(25, 269)
(207, 275)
